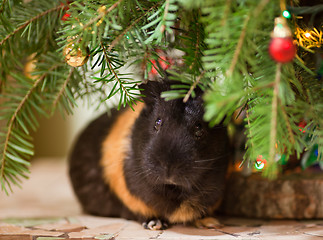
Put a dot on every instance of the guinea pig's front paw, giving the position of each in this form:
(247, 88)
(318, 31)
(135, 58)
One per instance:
(155, 224)
(207, 222)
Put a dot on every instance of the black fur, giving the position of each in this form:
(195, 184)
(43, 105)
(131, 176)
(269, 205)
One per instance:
(86, 173)
(174, 157)
(175, 154)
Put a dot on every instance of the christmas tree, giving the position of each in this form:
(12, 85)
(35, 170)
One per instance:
(235, 50)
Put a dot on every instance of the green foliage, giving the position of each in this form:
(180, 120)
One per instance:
(237, 54)
(224, 51)
(109, 73)
(161, 21)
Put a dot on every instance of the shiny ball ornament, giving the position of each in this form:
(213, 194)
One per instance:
(281, 47)
(282, 50)
(163, 63)
(65, 17)
(30, 66)
(260, 163)
(74, 56)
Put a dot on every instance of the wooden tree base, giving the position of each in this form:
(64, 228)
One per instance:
(296, 196)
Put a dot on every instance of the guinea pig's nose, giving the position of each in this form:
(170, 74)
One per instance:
(166, 172)
(170, 173)
(170, 180)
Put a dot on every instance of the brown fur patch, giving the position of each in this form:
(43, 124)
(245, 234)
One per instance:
(114, 151)
(185, 213)
(191, 210)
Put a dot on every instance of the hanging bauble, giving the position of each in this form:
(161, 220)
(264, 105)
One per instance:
(260, 163)
(30, 66)
(163, 62)
(282, 48)
(302, 126)
(65, 8)
(65, 17)
(75, 56)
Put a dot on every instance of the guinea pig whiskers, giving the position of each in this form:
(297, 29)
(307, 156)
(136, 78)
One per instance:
(140, 173)
(210, 191)
(157, 178)
(148, 174)
(188, 184)
(195, 186)
(206, 160)
(204, 168)
(210, 159)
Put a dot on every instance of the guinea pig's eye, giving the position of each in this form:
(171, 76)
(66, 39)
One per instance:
(158, 124)
(198, 130)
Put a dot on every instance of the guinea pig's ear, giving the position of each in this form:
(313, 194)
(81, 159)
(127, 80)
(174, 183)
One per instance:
(151, 91)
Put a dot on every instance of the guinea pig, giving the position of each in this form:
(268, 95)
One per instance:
(159, 164)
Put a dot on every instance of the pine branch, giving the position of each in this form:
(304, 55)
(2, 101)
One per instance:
(24, 25)
(101, 15)
(289, 127)
(121, 35)
(2, 6)
(274, 112)
(193, 86)
(62, 90)
(250, 135)
(197, 47)
(10, 5)
(259, 9)
(224, 44)
(226, 12)
(163, 26)
(126, 95)
(192, 43)
(163, 23)
(16, 149)
(11, 123)
(112, 70)
(238, 48)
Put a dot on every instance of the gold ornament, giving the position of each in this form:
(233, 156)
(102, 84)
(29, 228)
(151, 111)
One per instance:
(281, 29)
(75, 57)
(30, 66)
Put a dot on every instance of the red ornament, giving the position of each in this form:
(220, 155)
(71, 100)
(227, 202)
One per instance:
(302, 126)
(163, 62)
(65, 16)
(282, 50)
(65, 8)
(281, 46)
(260, 162)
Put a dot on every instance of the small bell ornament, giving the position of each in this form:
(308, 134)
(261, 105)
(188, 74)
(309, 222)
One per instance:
(281, 47)
(75, 56)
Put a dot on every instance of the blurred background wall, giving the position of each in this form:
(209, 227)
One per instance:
(56, 135)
